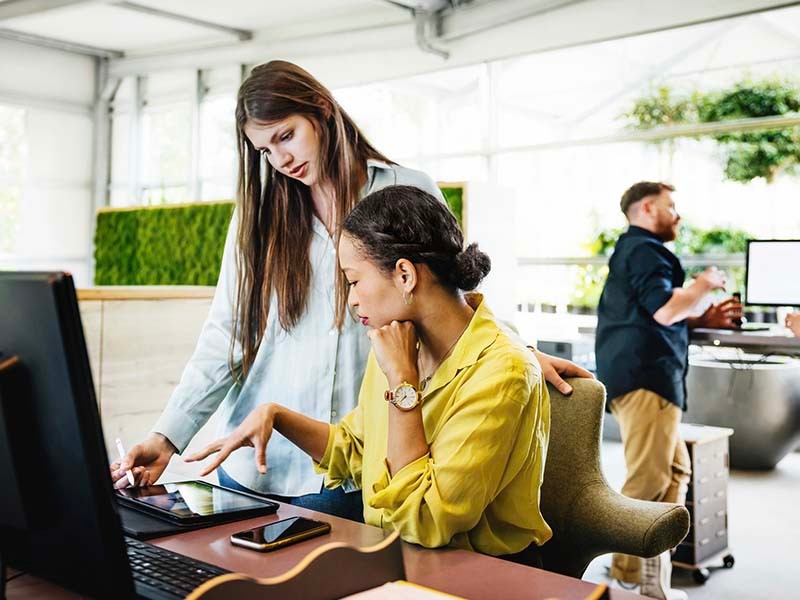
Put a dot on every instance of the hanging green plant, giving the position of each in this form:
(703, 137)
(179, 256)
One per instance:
(664, 107)
(750, 155)
(746, 155)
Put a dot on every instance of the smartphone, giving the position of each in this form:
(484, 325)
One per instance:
(738, 321)
(280, 533)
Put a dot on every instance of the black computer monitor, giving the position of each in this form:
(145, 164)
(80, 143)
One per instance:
(57, 511)
(771, 277)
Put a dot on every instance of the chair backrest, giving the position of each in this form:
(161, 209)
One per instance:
(331, 571)
(587, 516)
(573, 454)
(572, 467)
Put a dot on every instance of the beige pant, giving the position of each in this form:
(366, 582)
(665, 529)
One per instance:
(656, 457)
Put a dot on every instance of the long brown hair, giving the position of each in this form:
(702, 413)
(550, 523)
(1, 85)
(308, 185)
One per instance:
(275, 214)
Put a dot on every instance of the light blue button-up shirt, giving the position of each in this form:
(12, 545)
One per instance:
(314, 369)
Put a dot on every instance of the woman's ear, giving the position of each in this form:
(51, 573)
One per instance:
(405, 276)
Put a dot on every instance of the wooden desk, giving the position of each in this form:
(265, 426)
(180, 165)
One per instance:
(457, 572)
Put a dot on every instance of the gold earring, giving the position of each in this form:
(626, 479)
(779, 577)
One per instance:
(409, 299)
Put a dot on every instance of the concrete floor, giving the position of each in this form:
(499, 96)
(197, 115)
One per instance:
(764, 534)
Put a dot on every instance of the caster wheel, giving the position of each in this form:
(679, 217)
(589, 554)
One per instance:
(728, 561)
(701, 575)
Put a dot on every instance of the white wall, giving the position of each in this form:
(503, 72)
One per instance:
(54, 212)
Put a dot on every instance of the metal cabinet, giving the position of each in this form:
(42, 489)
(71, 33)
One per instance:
(707, 500)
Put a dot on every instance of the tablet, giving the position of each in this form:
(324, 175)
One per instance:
(193, 502)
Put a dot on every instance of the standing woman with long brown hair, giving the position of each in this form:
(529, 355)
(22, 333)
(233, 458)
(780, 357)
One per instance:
(278, 329)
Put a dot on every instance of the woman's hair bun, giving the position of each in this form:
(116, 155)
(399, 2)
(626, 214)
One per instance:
(471, 266)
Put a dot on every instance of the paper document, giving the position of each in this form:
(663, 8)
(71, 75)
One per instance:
(401, 590)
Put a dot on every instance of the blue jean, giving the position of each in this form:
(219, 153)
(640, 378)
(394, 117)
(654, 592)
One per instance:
(336, 502)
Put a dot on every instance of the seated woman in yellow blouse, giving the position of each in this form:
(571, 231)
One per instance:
(449, 438)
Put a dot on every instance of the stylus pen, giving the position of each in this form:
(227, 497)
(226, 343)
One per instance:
(121, 451)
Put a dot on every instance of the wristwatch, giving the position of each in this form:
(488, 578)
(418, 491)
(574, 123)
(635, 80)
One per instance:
(405, 396)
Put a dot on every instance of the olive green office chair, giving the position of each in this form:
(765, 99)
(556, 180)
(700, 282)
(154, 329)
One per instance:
(589, 518)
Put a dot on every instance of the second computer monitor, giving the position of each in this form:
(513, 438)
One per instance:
(773, 273)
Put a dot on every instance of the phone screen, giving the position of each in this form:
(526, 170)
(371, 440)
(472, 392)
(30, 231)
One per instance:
(280, 530)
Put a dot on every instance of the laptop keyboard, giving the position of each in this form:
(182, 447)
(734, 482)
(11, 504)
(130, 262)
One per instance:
(167, 571)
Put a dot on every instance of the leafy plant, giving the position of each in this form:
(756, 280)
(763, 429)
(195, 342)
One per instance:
(693, 240)
(604, 241)
(747, 155)
(662, 108)
(752, 154)
(588, 282)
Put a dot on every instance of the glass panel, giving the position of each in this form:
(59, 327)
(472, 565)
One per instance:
(119, 196)
(13, 152)
(65, 159)
(13, 148)
(54, 221)
(166, 144)
(436, 113)
(223, 80)
(214, 189)
(120, 149)
(468, 168)
(9, 218)
(399, 123)
(218, 138)
(168, 86)
(165, 195)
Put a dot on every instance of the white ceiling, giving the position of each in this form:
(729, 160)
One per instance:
(351, 41)
(113, 26)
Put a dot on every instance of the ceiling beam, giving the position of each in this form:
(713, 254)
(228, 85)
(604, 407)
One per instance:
(388, 48)
(22, 8)
(47, 42)
(241, 34)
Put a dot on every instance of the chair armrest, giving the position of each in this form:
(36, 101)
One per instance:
(610, 522)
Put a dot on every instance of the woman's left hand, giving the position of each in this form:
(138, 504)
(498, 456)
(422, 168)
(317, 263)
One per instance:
(395, 347)
(555, 369)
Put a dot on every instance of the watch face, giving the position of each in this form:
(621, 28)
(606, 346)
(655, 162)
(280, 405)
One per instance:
(405, 396)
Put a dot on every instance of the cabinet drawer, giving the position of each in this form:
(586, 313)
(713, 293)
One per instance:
(712, 544)
(707, 511)
(709, 459)
(711, 492)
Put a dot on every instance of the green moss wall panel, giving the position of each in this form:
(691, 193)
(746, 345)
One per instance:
(171, 245)
(175, 245)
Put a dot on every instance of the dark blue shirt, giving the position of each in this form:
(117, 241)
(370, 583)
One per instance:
(633, 350)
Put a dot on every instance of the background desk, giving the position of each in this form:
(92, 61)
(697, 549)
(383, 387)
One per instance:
(457, 572)
(772, 341)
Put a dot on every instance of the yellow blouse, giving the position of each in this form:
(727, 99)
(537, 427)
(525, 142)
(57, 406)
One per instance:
(486, 414)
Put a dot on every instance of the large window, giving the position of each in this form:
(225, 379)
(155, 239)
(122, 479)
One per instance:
(12, 153)
(217, 147)
(173, 138)
(550, 126)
